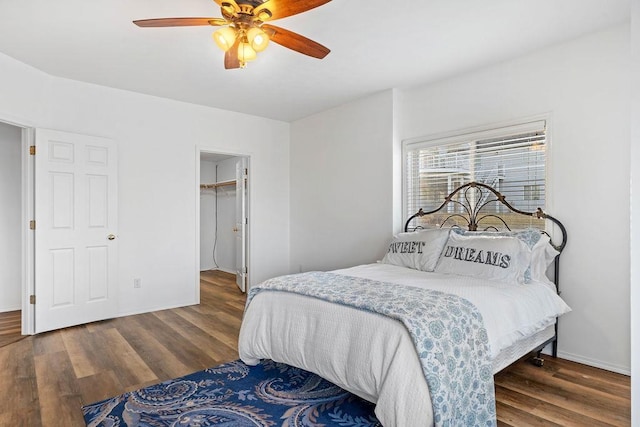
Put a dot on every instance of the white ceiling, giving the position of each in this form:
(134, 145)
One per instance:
(375, 45)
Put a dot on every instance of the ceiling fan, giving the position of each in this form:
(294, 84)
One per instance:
(243, 31)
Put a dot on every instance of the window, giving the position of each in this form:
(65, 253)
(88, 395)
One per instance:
(510, 159)
(533, 192)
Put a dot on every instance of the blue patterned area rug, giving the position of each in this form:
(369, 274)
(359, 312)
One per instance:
(238, 395)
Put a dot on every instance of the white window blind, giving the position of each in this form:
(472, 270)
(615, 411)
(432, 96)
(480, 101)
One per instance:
(510, 159)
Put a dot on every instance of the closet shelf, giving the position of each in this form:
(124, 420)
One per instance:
(217, 184)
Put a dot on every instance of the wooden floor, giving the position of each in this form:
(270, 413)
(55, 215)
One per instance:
(45, 379)
(10, 327)
(562, 393)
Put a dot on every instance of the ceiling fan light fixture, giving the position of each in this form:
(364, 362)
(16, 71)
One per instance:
(264, 15)
(228, 8)
(243, 31)
(225, 37)
(258, 39)
(246, 52)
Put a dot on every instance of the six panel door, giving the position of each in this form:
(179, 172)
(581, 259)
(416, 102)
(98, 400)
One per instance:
(76, 229)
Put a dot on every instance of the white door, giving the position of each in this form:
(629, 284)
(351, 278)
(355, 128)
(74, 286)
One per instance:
(76, 228)
(241, 223)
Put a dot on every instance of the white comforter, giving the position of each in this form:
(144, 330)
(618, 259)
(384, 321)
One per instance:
(331, 340)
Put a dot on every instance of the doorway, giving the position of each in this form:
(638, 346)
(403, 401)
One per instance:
(11, 253)
(223, 232)
(92, 190)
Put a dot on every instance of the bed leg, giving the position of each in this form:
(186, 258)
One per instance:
(537, 360)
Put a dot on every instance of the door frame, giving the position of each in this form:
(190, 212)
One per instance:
(248, 237)
(28, 235)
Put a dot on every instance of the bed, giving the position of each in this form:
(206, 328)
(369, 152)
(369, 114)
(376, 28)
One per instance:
(460, 295)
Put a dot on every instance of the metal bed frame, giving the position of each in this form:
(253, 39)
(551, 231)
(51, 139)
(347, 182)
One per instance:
(470, 206)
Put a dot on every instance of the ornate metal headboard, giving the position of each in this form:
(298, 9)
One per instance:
(477, 206)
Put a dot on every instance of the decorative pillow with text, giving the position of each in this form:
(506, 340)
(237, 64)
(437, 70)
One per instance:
(499, 258)
(419, 250)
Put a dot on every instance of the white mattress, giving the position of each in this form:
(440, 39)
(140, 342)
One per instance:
(373, 356)
(521, 347)
(510, 312)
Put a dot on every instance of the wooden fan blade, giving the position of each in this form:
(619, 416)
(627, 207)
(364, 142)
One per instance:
(283, 8)
(295, 41)
(231, 60)
(179, 22)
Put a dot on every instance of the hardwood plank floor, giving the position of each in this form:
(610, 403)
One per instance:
(45, 379)
(10, 327)
(562, 393)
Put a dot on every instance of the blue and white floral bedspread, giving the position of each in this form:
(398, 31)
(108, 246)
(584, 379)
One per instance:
(447, 331)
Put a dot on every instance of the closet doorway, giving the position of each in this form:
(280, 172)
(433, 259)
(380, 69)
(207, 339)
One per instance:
(11, 248)
(224, 216)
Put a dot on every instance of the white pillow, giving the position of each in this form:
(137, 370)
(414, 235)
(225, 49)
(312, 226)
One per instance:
(542, 251)
(499, 258)
(419, 250)
(542, 255)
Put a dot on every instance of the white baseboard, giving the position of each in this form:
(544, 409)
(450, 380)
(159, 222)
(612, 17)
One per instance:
(5, 309)
(624, 370)
(152, 309)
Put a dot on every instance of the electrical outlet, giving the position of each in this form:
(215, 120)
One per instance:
(137, 283)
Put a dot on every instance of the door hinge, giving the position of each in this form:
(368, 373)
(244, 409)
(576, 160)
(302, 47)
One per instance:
(32, 224)
(32, 299)
(32, 150)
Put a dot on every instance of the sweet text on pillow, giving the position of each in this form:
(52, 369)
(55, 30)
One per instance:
(419, 250)
(406, 247)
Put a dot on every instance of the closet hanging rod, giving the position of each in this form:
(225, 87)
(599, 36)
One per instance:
(217, 184)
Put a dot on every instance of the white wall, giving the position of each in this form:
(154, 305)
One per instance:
(584, 84)
(207, 215)
(24, 91)
(635, 213)
(226, 216)
(157, 141)
(341, 186)
(10, 218)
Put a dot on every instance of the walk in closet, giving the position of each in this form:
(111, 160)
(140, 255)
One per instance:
(223, 214)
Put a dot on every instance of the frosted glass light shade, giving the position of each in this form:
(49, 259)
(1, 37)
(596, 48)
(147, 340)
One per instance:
(258, 39)
(225, 37)
(246, 52)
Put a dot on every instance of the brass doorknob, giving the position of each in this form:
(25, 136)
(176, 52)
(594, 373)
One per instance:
(111, 236)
